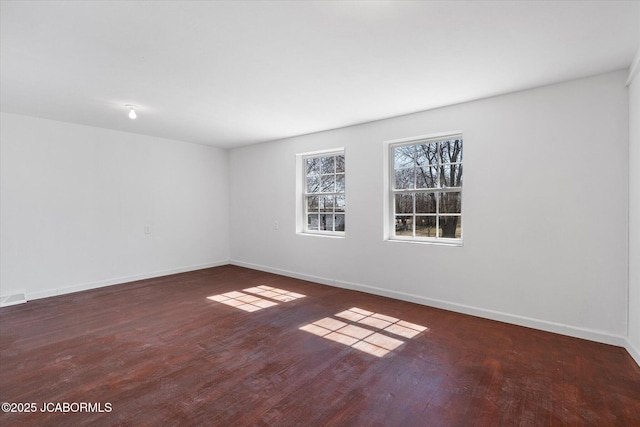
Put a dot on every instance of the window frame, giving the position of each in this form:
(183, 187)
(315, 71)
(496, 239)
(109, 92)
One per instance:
(391, 191)
(303, 226)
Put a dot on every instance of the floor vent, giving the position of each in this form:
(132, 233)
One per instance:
(14, 299)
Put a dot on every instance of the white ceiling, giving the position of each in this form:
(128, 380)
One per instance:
(235, 73)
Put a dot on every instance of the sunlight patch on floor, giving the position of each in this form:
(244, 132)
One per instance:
(365, 330)
(256, 298)
(274, 293)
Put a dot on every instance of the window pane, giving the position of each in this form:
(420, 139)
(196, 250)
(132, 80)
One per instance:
(312, 203)
(313, 184)
(451, 176)
(450, 227)
(426, 154)
(451, 202)
(426, 203)
(327, 183)
(327, 165)
(425, 226)
(404, 203)
(425, 188)
(451, 151)
(339, 222)
(313, 165)
(340, 183)
(426, 177)
(326, 222)
(326, 204)
(404, 156)
(312, 222)
(324, 201)
(404, 179)
(340, 163)
(404, 225)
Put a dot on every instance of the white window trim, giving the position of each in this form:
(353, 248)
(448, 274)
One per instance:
(389, 191)
(301, 209)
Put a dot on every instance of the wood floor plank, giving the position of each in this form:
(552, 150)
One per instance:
(175, 351)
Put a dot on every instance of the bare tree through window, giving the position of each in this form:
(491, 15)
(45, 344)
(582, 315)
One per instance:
(427, 188)
(324, 200)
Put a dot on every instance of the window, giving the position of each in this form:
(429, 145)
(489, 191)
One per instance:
(324, 201)
(426, 189)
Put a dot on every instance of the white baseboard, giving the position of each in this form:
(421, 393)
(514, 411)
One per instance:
(120, 280)
(558, 328)
(633, 351)
(295, 275)
(13, 299)
(529, 322)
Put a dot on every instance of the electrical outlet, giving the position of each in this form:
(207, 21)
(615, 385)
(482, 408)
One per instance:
(276, 225)
(147, 229)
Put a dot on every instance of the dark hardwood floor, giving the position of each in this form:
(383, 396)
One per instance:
(231, 346)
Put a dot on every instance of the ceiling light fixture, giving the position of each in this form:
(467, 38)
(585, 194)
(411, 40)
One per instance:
(132, 111)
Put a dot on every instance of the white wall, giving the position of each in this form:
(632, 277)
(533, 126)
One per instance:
(75, 200)
(634, 215)
(545, 211)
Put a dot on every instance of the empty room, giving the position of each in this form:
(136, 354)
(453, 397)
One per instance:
(320, 213)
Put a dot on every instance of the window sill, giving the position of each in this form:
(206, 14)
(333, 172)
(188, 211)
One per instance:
(321, 234)
(456, 243)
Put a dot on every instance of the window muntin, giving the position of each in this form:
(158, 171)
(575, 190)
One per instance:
(426, 189)
(324, 199)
